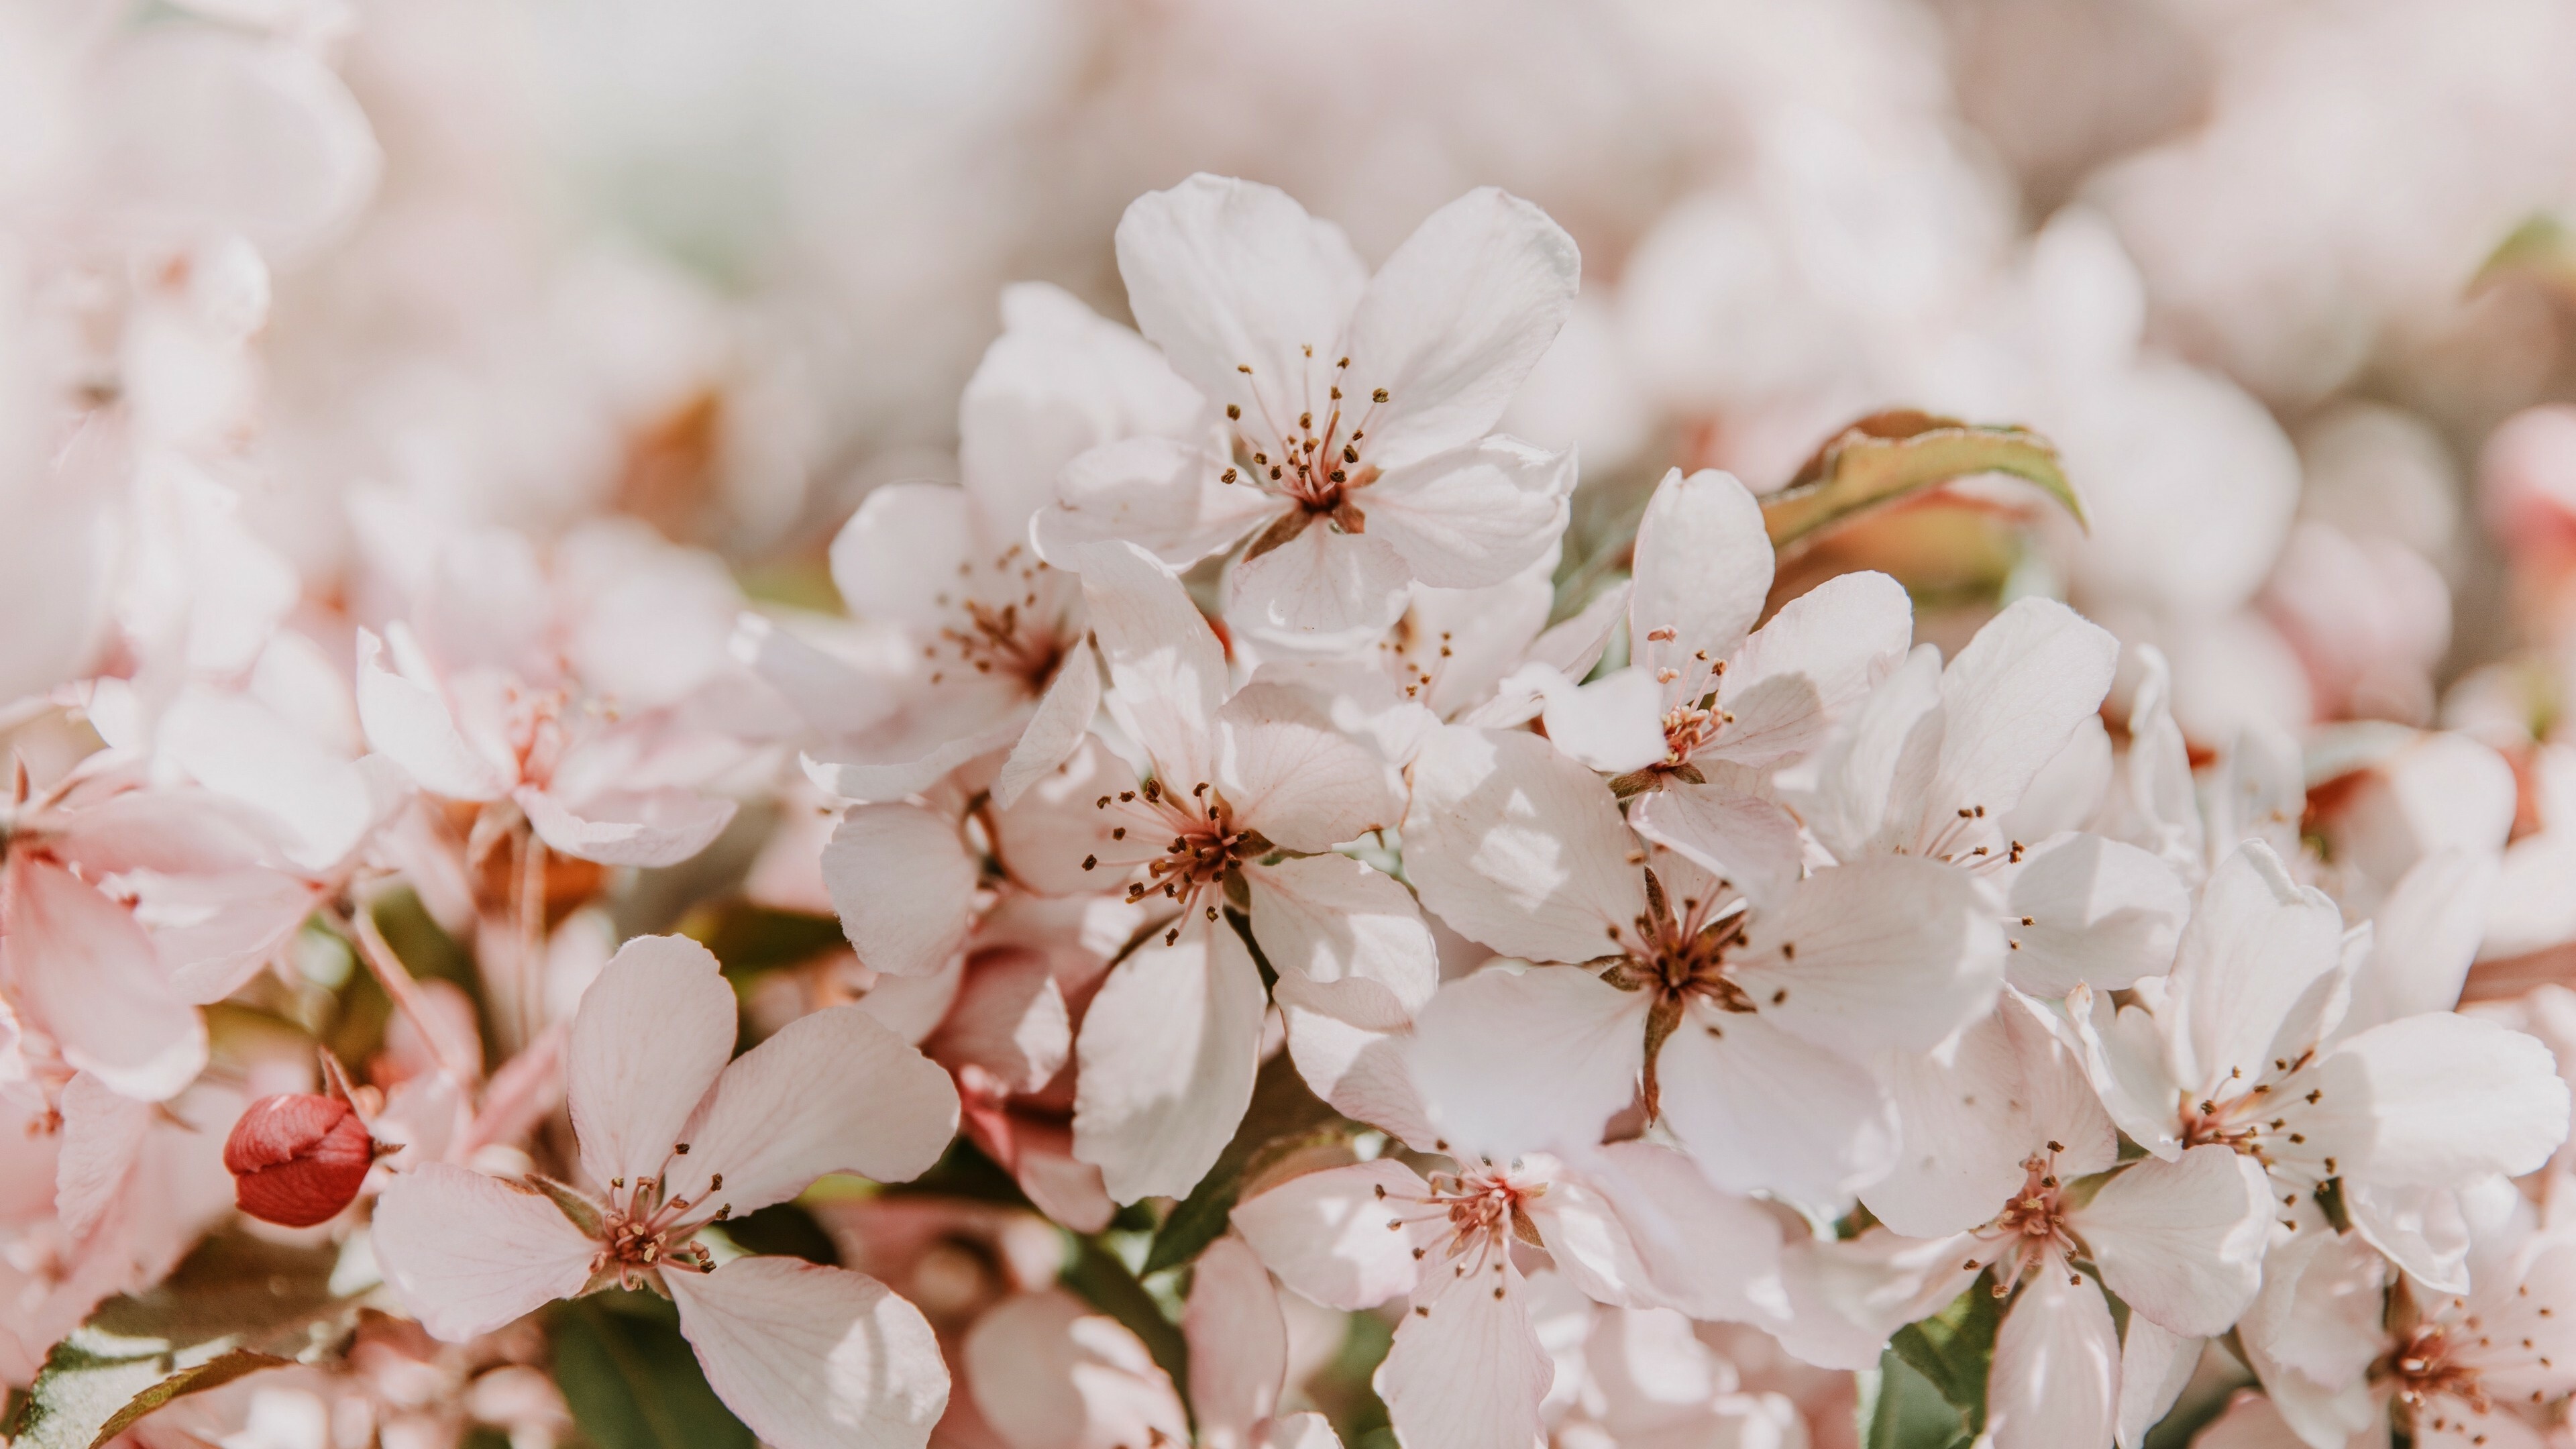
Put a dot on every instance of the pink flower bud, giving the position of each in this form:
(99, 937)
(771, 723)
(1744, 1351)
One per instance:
(297, 1159)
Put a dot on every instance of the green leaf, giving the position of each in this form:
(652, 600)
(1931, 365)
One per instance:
(213, 1373)
(1893, 455)
(1284, 1117)
(1955, 1348)
(1909, 1413)
(237, 1305)
(1104, 1282)
(631, 1380)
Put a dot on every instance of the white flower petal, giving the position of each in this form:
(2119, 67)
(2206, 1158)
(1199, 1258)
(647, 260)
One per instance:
(2007, 1089)
(889, 769)
(1009, 1018)
(1508, 1060)
(2182, 1242)
(1772, 721)
(1238, 1344)
(1061, 378)
(1360, 1072)
(652, 1032)
(2056, 1373)
(85, 973)
(2011, 700)
(1336, 1236)
(1048, 1372)
(466, 1254)
(1044, 838)
(648, 828)
(1166, 669)
(1162, 494)
(1456, 319)
(829, 692)
(237, 746)
(1469, 1372)
(1886, 952)
(1748, 842)
(2256, 944)
(407, 720)
(1703, 570)
(813, 1357)
(902, 552)
(1843, 636)
(1762, 1110)
(1878, 765)
(1167, 1053)
(1519, 847)
(2155, 1366)
(1471, 517)
(833, 1091)
(1613, 724)
(2441, 1099)
(2098, 912)
(2420, 1229)
(2423, 938)
(1293, 777)
(1700, 1250)
(1324, 589)
(1058, 726)
(1225, 274)
(102, 1134)
(904, 885)
(1308, 1430)
(1344, 939)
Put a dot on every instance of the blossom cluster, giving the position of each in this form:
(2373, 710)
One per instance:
(1800, 822)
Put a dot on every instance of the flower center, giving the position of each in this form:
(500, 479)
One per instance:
(1680, 956)
(1203, 848)
(643, 1232)
(1312, 464)
(1678, 949)
(1485, 1208)
(2263, 1121)
(1694, 724)
(2031, 1232)
(1004, 623)
(2426, 1365)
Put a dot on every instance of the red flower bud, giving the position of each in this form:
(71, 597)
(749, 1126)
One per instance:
(297, 1159)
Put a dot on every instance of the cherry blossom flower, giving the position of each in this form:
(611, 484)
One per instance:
(1247, 793)
(562, 696)
(2344, 1346)
(674, 1138)
(1748, 1003)
(1933, 765)
(1637, 1225)
(2251, 1043)
(1993, 1186)
(993, 637)
(1359, 410)
(1720, 690)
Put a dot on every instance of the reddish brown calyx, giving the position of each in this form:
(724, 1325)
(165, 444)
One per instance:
(297, 1159)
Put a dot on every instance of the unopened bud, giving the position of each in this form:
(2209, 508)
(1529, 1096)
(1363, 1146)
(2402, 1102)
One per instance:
(297, 1159)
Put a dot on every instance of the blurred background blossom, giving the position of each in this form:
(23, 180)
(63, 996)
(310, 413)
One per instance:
(305, 302)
